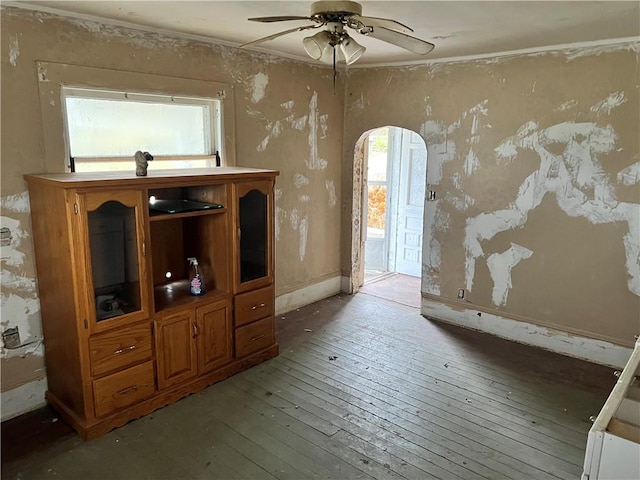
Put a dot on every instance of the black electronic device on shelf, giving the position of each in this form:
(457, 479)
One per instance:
(179, 205)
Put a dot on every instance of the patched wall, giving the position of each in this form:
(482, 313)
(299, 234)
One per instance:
(535, 161)
(287, 117)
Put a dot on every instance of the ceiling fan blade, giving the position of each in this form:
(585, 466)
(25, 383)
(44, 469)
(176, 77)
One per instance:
(279, 34)
(402, 40)
(381, 22)
(278, 19)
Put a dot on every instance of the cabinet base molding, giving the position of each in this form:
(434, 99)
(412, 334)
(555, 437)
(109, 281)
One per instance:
(90, 431)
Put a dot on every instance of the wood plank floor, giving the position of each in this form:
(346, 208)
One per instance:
(363, 388)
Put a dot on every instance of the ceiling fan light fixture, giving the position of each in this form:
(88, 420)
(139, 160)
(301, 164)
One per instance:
(351, 50)
(317, 44)
(327, 55)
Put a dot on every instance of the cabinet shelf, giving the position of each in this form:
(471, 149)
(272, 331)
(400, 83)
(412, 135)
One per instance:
(158, 216)
(176, 295)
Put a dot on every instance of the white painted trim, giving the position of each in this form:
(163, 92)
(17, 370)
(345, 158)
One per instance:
(309, 294)
(592, 350)
(23, 399)
(562, 48)
(346, 286)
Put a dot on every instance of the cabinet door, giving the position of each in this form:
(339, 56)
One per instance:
(176, 348)
(254, 220)
(114, 264)
(215, 342)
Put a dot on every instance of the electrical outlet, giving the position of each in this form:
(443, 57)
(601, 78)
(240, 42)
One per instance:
(11, 338)
(461, 293)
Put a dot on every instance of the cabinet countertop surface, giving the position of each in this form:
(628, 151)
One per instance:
(71, 180)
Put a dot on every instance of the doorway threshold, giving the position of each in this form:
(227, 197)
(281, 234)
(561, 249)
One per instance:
(373, 276)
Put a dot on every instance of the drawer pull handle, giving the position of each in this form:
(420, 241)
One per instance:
(255, 307)
(195, 330)
(125, 349)
(258, 337)
(128, 389)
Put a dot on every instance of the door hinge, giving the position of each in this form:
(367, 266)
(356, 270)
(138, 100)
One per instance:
(86, 324)
(75, 208)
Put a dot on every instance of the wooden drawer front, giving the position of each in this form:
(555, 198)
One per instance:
(123, 388)
(254, 305)
(254, 337)
(119, 348)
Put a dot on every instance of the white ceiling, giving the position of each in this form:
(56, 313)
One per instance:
(470, 28)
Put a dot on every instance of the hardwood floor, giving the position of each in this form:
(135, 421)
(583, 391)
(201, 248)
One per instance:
(363, 388)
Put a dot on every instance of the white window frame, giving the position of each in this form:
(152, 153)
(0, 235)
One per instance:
(213, 122)
(52, 77)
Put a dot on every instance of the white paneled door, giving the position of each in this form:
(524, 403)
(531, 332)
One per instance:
(410, 207)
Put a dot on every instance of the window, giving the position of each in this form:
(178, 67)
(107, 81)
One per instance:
(105, 128)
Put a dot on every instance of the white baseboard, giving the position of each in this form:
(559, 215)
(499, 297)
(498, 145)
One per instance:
(23, 399)
(347, 287)
(308, 294)
(592, 350)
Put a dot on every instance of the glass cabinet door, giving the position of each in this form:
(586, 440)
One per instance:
(116, 267)
(254, 233)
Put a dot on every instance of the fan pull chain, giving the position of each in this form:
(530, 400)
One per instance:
(334, 70)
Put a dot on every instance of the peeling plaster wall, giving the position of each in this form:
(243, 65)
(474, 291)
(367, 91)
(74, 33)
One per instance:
(535, 161)
(287, 118)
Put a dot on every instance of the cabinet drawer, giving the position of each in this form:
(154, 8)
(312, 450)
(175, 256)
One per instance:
(251, 306)
(123, 388)
(119, 348)
(254, 337)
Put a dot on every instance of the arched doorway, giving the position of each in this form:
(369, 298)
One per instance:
(389, 192)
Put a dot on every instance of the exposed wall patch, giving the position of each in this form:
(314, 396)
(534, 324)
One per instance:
(500, 266)
(314, 162)
(299, 180)
(279, 213)
(18, 203)
(460, 202)
(331, 190)
(14, 50)
(566, 106)
(471, 163)
(287, 105)
(304, 231)
(431, 258)
(258, 86)
(575, 177)
(612, 101)
(630, 175)
(441, 149)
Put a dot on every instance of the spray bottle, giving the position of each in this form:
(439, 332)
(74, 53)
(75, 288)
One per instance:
(196, 287)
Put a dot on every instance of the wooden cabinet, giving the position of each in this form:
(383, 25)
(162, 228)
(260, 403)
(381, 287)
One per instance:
(255, 305)
(214, 336)
(254, 236)
(176, 350)
(191, 343)
(112, 246)
(123, 335)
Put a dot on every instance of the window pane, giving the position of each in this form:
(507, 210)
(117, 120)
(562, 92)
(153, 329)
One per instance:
(376, 209)
(377, 157)
(117, 128)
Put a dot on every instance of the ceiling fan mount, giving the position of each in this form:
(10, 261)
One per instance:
(334, 16)
(336, 7)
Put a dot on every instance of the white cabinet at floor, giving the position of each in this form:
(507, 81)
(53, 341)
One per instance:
(613, 445)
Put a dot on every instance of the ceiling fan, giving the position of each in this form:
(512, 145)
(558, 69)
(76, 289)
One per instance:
(335, 16)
